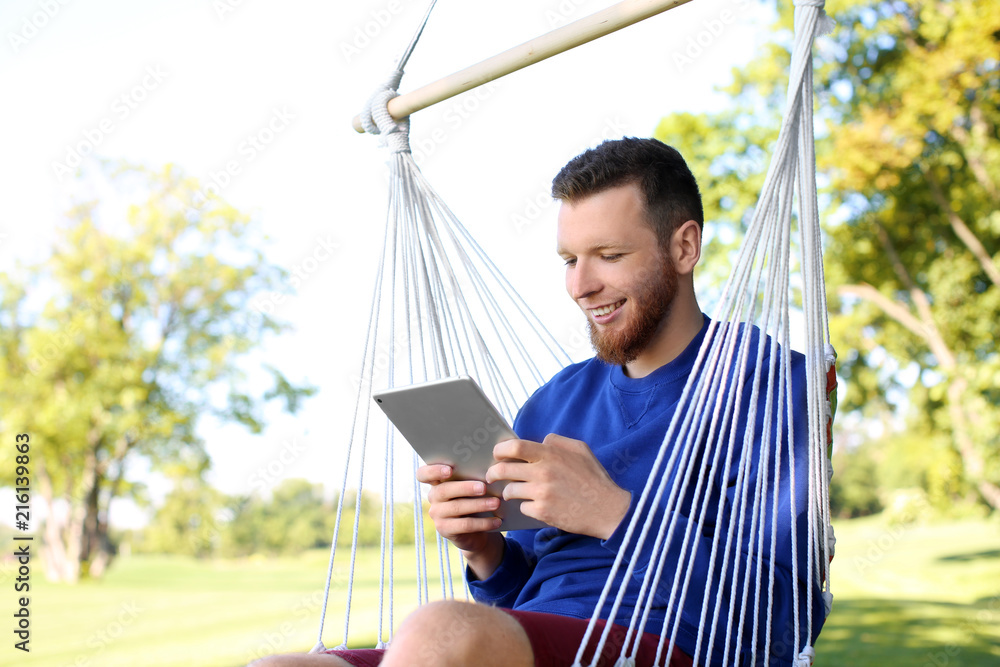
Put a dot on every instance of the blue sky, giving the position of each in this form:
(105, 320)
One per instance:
(271, 87)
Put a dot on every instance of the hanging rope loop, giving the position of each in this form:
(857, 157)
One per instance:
(376, 119)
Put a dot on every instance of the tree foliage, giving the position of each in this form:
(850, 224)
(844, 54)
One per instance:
(197, 520)
(908, 95)
(138, 324)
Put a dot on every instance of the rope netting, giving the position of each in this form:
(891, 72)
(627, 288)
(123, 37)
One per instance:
(441, 308)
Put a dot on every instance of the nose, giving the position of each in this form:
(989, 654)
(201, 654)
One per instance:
(582, 280)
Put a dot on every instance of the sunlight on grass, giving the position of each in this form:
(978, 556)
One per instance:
(914, 594)
(167, 611)
(904, 595)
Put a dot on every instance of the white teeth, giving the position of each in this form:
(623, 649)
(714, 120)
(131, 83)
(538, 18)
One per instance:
(604, 310)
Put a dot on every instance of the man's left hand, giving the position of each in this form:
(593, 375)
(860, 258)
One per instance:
(561, 483)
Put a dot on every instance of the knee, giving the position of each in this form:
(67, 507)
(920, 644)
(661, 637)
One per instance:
(457, 634)
(437, 630)
(448, 620)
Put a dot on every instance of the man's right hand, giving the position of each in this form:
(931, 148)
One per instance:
(452, 504)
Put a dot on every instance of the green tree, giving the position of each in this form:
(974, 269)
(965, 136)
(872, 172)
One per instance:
(192, 521)
(909, 93)
(853, 490)
(138, 324)
(294, 519)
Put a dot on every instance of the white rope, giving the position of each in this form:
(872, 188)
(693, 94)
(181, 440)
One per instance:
(441, 285)
(367, 368)
(434, 287)
(789, 171)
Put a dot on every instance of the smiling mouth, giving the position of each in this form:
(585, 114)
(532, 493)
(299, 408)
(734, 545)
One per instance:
(607, 310)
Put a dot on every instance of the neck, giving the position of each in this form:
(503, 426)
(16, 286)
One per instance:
(676, 332)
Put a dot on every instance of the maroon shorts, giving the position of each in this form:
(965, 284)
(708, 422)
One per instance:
(555, 640)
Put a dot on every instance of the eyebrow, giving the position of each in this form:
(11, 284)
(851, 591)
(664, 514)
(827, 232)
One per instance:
(598, 247)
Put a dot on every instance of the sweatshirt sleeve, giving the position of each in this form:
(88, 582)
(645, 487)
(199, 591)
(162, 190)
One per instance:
(502, 588)
(779, 617)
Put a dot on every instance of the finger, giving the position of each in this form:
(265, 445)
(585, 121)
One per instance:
(556, 439)
(522, 450)
(508, 470)
(433, 473)
(462, 507)
(516, 490)
(527, 508)
(467, 524)
(445, 491)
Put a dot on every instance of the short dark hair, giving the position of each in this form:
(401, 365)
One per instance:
(668, 187)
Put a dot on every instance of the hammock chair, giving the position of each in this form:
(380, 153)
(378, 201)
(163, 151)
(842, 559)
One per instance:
(440, 308)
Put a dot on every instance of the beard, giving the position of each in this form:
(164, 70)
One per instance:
(650, 305)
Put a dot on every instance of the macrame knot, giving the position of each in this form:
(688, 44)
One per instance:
(806, 657)
(824, 24)
(625, 662)
(382, 645)
(376, 119)
(318, 648)
(827, 602)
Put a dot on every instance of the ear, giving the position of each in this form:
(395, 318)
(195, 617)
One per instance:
(685, 247)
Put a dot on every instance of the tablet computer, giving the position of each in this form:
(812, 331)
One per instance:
(452, 421)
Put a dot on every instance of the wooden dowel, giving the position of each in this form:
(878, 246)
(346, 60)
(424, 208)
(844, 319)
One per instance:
(536, 50)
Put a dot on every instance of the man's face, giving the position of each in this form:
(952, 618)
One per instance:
(616, 271)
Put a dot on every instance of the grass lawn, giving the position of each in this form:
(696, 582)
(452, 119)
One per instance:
(917, 595)
(914, 595)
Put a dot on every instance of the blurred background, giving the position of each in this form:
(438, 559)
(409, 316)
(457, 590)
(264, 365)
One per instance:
(189, 234)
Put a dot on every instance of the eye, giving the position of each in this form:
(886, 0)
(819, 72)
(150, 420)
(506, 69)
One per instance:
(611, 258)
(571, 261)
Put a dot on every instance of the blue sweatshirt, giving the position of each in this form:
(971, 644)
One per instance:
(624, 421)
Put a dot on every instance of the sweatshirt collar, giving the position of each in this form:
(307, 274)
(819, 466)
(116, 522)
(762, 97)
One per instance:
(676, 369)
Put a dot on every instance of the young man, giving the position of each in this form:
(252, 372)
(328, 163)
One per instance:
(629, 231)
